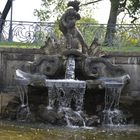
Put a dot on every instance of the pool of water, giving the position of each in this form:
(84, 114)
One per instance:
(9, 131)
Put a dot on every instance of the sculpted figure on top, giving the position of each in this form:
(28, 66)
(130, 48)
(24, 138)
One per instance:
(74, 39)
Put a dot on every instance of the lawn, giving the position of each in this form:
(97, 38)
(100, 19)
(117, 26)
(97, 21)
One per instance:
(18, 45)
(122, 49)
(104, 48)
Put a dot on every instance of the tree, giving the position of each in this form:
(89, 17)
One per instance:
(133, 10)
(118, 6)
(50, 10)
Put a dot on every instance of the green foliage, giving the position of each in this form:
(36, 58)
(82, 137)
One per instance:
(133, 9)
(50, 10)
(134, 6)
(85, 25)
(118, 6)
(127, 48)
(122, 49)
(88, 29)
(57, 32)
(87, 19)
(53, 9)
(6, 44)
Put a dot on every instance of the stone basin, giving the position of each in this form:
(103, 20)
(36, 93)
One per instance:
(70, 83)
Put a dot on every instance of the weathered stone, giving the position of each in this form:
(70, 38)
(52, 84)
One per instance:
(47, 115)
(99, 67)
(93, 121)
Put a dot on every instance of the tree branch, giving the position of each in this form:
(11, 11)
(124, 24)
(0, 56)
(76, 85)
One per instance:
(90, 3)
(132, 16)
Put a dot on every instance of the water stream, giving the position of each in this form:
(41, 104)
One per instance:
(111, 113)
(70, 68)
(67, 95)
(24, 110)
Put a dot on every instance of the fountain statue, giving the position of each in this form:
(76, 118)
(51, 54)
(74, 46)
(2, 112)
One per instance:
(74, 39)
(75, 89)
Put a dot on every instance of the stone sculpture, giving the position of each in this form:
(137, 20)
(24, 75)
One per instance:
(74, 39)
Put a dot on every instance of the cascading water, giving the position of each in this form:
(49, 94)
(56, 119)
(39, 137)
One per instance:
(134, 62)
(62, 92)
(111, 113)
(24, 110)
(70, 68)
(67, 95)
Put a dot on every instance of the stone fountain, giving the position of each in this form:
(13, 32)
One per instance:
(66, 86)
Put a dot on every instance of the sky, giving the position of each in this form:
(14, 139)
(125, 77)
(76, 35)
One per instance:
(23, 10)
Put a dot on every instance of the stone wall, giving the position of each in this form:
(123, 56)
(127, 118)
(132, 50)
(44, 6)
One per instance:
(131, 64)
(12, 59)
(130, 98)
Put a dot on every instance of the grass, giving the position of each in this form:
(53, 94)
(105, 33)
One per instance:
(18, 45)
(122, 49)
(35, 45)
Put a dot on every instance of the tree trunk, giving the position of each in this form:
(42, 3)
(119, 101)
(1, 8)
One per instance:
(4, 15)
(110, 32)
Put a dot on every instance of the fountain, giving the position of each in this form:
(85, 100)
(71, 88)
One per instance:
(62, 99)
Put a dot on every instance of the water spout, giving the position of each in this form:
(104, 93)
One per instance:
(70, 68)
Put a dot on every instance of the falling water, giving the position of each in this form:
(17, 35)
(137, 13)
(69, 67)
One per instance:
(22, 80)
(70, 68)
(111, 114)
(67, 96)
(78, 113)
(24, 110)
(134, 62)
(62, 92)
